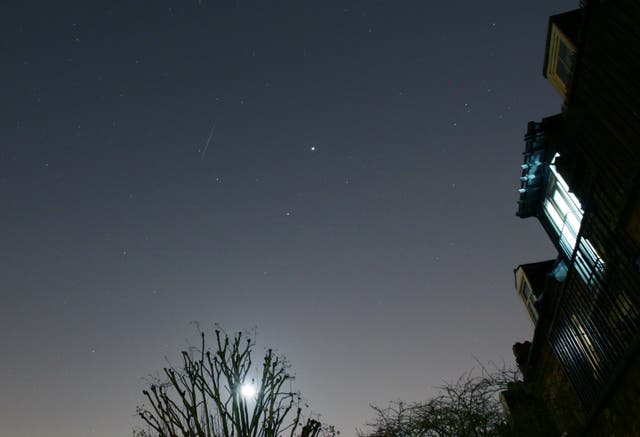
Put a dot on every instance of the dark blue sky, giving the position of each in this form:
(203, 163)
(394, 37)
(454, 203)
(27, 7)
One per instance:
(356, 201)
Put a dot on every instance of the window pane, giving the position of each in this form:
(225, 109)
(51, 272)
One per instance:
(566, 55)
(553, 215)
(563, 72)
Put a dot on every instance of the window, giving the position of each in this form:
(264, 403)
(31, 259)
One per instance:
(563, 72)
(526, 290)
(565, 55)
(529, 299)
(560, 60)
(564, 62)
(533, 312)
(564, 211)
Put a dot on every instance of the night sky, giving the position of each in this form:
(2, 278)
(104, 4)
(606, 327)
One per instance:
(341, 175)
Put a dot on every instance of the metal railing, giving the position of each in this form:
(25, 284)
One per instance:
(597, 321)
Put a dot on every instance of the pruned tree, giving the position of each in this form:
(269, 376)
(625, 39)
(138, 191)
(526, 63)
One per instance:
(467, 407)
(221, 393)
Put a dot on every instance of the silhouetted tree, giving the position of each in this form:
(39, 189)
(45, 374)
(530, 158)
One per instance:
(467, 407)
(221, 394)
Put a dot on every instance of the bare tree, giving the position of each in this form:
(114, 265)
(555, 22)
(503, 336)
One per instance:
(467, 407)
(222, 394)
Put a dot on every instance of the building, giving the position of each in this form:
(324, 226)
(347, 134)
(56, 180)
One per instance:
(581, 179)
(530, 282)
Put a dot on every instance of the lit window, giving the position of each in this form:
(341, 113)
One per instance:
(564, 211)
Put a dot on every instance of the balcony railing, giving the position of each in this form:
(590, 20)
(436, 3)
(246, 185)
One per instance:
(596, 323)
